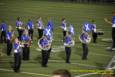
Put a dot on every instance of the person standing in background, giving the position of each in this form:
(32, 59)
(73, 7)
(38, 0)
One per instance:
(3, 28)
(17, 55)
(64, 27)
(19, 27)
(30, 27)
(40, 27)
(112, 22)
(9, 38)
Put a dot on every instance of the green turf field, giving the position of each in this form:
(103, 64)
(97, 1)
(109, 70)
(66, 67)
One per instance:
(74, 13)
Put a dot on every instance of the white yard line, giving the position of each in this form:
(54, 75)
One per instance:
(86, 65)
(29, 73)
(92, 53)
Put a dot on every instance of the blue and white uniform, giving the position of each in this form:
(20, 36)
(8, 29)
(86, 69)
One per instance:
(67, 44)
(19, 24)
(3, 28)
(45, 52)
(8, 35)
(83, 38)
(40, 28)
(68, 41)
(30, 27)
(26, 49)
(9, 42)
(16, 47)
(25, 38)
(40, 24)
(113, 21)
(17, 57)
(94, 27)
(64, 27)
(113, 32)
(71, 30)
(19, 28)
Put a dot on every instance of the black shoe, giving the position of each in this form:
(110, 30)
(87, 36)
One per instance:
(44, 66)
(68, 62)
(84, 58)
(17, 71)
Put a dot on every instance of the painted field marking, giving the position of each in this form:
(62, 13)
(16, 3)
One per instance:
(29, 73)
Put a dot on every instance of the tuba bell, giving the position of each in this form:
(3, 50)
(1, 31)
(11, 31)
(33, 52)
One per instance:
(46, 47)
(85, 38)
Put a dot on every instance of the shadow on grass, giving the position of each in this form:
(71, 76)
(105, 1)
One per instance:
(62, 55)
(38, 58)
(100, 66)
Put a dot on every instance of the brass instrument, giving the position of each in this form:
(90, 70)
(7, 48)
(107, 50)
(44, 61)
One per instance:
(26, 43)
(46, 47)
(85, 38)
(70, 44)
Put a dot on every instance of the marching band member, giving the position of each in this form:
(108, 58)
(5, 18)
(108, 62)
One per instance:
(26, 42)
(9, 37)
(64, 28)
(85, 39)
(19, 24)
(40, 27)
(3, 28)
(113, 29)
(48, 32)
(94, 32)
(44, 45)
(30, 27)
(68, 44)
(17, 55)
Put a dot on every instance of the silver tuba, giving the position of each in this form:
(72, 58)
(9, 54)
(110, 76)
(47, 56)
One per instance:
(46, 47)
(85, 38)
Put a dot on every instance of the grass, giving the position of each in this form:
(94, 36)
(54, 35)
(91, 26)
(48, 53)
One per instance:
(74, 13)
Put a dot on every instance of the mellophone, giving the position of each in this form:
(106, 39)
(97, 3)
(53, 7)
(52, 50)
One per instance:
(70, 44)
(85, 38)
(25, 43)
(46, 47)
(21, 28)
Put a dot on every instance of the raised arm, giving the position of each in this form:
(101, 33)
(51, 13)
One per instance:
(108, 21)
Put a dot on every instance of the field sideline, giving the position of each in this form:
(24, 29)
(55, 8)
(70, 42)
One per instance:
(75, 14)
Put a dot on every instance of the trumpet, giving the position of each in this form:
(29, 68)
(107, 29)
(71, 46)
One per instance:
(26, 43)
(85, 38)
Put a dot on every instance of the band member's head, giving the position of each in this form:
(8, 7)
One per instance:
(40, 18)
(113, 13)
(25, 32)
(10, 28)
(93, 21)
(16, 40)
(61, 73)
(63, 19)
(18, 18)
